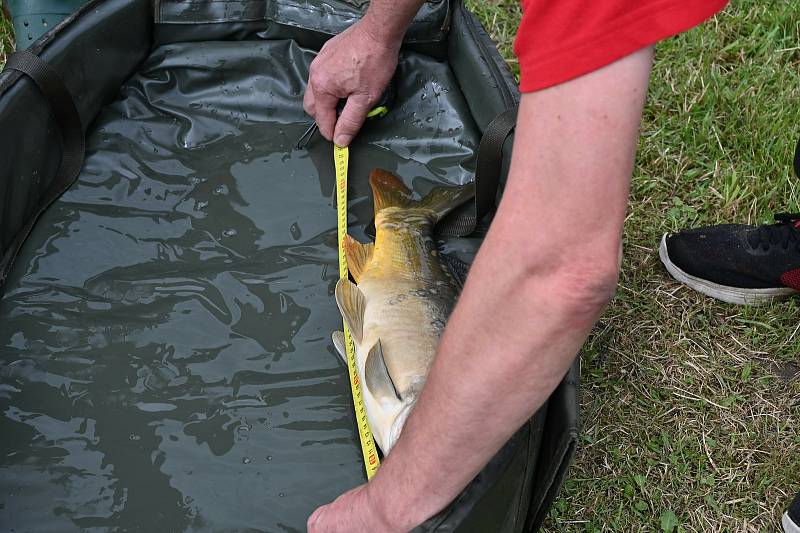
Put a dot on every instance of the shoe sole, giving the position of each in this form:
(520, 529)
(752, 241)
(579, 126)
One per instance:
(731, 295)
(788, 524)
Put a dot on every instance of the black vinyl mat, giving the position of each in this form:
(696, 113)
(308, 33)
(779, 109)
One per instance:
(165, 353)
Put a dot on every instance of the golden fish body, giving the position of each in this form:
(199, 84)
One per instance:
(399, 308)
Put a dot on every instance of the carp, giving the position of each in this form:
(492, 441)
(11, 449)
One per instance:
(397, 309)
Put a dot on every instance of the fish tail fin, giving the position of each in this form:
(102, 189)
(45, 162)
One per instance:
(388, 190)
(358, 256)
(442, 200)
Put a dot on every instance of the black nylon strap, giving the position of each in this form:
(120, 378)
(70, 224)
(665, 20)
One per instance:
(70, 128)
(488, 166)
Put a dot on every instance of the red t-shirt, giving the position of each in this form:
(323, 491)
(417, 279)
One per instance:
(559, 40)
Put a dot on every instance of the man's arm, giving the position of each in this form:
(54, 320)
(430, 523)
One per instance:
(545, 272)
(357, 65)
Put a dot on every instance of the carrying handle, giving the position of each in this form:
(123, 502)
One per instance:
(70, 129)
(488, 167)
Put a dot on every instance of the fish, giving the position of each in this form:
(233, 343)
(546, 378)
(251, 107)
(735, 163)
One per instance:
(399, 304)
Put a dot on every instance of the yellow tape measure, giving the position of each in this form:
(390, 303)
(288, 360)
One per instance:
(368, 450)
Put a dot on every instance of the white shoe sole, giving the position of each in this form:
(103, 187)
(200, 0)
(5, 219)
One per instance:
(732, 295)
(788, 524)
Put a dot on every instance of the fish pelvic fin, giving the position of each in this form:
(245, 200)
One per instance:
(358, 256)
(338, 343)
(351, 304)
(376, 375)
(388, 190)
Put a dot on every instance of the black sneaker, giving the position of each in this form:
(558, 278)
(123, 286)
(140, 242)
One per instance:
(791, 519)
(736, 263)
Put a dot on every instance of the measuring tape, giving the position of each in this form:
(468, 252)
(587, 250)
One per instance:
(368, 450)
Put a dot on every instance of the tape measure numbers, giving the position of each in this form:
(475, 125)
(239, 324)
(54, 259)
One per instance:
(368, 450)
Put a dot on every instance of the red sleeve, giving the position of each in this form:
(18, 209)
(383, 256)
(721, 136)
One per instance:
(559, 40)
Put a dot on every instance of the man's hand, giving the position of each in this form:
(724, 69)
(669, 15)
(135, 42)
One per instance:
(350, 513)
(356, 65)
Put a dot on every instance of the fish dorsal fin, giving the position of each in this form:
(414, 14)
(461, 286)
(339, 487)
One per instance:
(388, 190)
(457, 269)
(442, 200)
(338, 343)
(358, 255)
(377, 376)
(351, 304)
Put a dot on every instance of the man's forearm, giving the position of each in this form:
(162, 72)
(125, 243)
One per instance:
(545, 271)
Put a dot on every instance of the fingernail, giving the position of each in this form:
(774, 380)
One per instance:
(342, 140)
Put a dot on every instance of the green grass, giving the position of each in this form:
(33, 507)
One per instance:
(691, 406)
(6, 36)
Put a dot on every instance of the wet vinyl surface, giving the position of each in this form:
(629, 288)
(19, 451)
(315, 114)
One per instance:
(165, 353)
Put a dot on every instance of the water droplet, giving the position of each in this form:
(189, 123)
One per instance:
(295, 231)
(247, 147)
(423, 97)
(134, 436)
(229, 232)
(281, 495)
(222, 189)
(246, 460)
(269, 458)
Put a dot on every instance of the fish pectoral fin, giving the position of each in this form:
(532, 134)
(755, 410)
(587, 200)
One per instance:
(351, 304)
(338, 343)
(379, 382)
(358, 256)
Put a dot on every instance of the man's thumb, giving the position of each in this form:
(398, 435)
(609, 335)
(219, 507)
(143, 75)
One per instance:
(352, 118)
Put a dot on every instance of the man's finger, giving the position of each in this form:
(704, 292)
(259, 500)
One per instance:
(352, 118)
(308, 99)
(325, 113)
